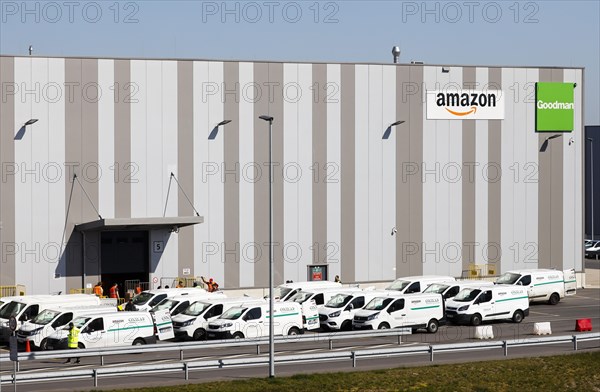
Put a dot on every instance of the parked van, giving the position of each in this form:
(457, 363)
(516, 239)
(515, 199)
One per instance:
(450, 289)
(312, 300)
(108, 330)
(27, 307)
(475, 305)
(416, 284)
(338, 312)
(401, 310)
(252, 321)
(148, 299)
(543, 284)
(192, 323)
(179, 303)
(49, 320)
(285, 291)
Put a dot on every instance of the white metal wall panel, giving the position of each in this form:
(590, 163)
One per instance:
(481, 183)
(374, 132)
(247, 246)
(139, 138)
(106, 138)
(388, 174)
(529, 169)
(169, 139)
(154, 137)
(510, 251)
(361, 167)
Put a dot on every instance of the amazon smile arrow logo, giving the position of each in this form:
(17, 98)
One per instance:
(473, 110)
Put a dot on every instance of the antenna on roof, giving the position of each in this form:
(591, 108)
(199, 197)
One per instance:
(30, 50)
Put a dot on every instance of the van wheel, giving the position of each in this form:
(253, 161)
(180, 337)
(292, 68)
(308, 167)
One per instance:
(139, 342)
(476, 319)
(433, 326)
(384, 326)
(293, 331)
(346, 326)
(80, 346)
(554, 299)
(517, 316)
(199, 334)
(238, 335)
(44, 344)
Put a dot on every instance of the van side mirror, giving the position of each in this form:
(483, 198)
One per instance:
(519, 283)
(350, 307)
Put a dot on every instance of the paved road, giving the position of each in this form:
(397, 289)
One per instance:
(586, 304)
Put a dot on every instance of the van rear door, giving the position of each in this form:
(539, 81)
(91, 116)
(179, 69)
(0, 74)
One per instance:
(570, 282)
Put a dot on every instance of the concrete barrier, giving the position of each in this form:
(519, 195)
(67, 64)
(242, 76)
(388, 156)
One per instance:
(542, 329)
(484, 332)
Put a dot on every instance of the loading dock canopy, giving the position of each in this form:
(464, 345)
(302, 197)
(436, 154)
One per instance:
(138, 224)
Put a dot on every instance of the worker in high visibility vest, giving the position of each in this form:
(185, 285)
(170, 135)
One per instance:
(73, 340)
(114, 291)
(98, 290)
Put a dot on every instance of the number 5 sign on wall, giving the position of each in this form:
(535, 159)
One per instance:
(158, 246)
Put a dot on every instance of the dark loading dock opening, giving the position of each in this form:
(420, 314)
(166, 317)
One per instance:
(124, 256)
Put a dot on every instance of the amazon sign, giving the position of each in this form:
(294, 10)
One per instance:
(465, 105)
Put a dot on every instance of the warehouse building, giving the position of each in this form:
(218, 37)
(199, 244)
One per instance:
(145, 169)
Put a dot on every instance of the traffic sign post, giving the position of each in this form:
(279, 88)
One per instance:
(14, 351)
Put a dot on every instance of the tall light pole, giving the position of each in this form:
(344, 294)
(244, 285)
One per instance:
(269, 119)
(592, 177)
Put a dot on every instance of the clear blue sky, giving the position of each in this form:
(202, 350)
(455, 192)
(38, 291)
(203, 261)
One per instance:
(530, 33)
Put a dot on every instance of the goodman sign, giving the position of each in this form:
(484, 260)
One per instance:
(465, 105)
(554, 107)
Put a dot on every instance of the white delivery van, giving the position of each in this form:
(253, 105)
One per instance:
(312, 300)
(252, 321)
(285, 291)
(27, 307)
(108, 330)
(450, 289)
(192, 323)
(148, 299)
(474, 305)
(179, 303)
(416, 284)
(338, 312)
(49, 320)
(405, 310)
(542, 284)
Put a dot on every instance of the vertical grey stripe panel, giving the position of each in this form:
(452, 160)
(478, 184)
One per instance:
(319, 142)
(403, 165)
(231, 137)
(261, 186)
(89, 159)
(494, 252)
(415, 119)
(73, 157)
(185, 160)
(468, 178)
(276, 110)
(348, 173)
(544, 192)
(7, 157)
(122, 142)
(556, 191)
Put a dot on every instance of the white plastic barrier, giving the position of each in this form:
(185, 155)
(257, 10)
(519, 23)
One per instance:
(484, 332)
(542, 329)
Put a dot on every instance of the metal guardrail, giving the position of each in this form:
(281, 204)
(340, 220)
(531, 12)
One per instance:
(186, 367)
(182, 347)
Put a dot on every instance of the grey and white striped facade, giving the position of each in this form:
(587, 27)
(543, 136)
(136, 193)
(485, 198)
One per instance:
(458, 191)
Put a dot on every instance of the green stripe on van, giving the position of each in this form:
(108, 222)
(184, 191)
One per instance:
(310, 318)
(571, 281)
(511, 299)
(165, 323)
(426, 307)
(127, 328)
(556, 281)
(283, 315)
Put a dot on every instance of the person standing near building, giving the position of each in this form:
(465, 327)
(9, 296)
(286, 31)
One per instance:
(114, 291)
(73, 341)
(211, 285)
(98, 290)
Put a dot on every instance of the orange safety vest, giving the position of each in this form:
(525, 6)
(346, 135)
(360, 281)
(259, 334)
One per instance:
(138, 289)
(113, 292)
(98, 291)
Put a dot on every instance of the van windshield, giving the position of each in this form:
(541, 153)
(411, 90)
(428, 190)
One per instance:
(233, 313)
(338, 301)
(12, 309)
(78, 322)
(196, 309)
(378, 303)
(466, 295)
(398, 285)
(165, 304)
(301, 296)
(281, 292)
(45, 317)
(508, 278)
(436, 288)
(142, 298)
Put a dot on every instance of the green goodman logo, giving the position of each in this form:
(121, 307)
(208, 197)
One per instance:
(554, 108)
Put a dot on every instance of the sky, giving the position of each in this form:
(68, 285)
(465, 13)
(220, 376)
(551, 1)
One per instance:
(522, 33)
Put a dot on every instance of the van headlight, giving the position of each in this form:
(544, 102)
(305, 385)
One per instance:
(188, 322)
(226, 325)
(463, 308)
(373, 316)
(36, 331)
(335, 314)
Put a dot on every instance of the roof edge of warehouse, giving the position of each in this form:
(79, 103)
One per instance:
(291, 61)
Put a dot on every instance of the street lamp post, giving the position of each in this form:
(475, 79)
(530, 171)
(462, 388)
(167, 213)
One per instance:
(592, 178)
(269, 119)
